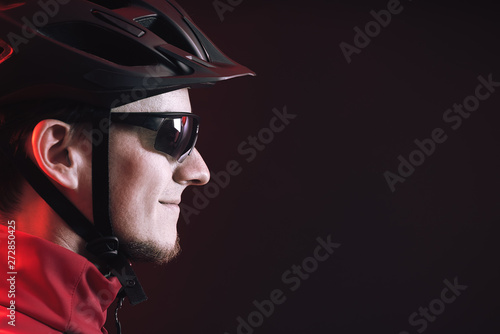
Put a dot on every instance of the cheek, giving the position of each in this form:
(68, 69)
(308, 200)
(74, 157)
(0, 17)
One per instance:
(138, 178)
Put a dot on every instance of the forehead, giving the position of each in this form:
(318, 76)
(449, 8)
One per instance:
(177, 100)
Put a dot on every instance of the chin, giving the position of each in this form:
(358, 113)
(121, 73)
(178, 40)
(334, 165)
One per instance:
(150, 251)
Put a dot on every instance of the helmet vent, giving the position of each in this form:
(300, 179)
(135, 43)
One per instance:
(167, 31)
(100, 42)
(111, 4)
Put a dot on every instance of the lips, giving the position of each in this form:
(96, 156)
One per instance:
(173, 202)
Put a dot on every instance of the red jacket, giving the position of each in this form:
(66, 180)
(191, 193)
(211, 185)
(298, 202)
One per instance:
(51, 288)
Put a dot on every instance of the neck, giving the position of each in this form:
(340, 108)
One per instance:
(37, 218)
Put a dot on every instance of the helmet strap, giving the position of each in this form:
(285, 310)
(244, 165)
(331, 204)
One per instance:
(107, 247)
(100, 240)
(100, 173)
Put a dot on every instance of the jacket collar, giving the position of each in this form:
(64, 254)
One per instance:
(58, 287)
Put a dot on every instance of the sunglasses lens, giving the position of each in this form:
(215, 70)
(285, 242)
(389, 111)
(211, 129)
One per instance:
(177, 137)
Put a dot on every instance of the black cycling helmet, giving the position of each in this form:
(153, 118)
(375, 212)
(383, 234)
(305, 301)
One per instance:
(97, 50)
(105, 53)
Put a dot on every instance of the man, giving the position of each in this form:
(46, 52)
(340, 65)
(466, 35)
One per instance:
(97, 145)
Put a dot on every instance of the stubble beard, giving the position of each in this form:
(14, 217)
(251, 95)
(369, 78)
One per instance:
(143, 251)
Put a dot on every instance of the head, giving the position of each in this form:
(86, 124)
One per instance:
(145, 184)
(124, 56)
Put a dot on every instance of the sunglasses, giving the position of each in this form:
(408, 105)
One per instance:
(176, 132)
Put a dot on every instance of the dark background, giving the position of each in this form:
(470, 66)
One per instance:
(323, 175)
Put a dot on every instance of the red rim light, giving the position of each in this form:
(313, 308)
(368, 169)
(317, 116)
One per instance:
(7, 51)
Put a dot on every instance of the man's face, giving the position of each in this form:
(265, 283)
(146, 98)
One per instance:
(146, 185)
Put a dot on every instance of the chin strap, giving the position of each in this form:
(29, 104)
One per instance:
(99, 236)
(119, 304)
(50, 194)
(108, 246)
(100, 172)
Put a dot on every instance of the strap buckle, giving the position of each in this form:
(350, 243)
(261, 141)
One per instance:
(104, 247)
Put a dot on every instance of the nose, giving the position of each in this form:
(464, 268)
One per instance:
(193, 171)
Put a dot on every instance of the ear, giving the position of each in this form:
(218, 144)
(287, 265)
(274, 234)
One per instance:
(56, 153)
